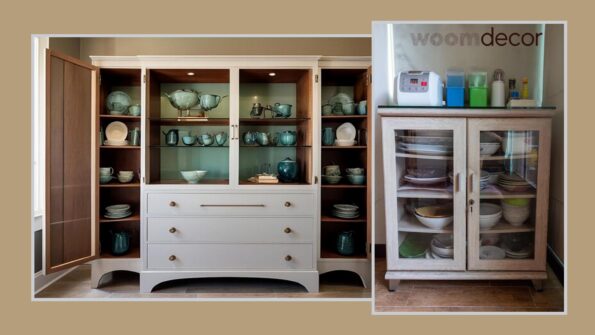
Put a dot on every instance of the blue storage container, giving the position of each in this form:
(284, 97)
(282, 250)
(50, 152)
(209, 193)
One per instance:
(455, 88)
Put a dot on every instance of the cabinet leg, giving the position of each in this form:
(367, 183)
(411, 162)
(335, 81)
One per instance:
(537, 285)
(393, 284)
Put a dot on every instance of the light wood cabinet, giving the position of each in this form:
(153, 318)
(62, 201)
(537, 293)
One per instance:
(486, 172)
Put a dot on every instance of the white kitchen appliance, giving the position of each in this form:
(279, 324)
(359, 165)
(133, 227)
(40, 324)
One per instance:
(418, 88)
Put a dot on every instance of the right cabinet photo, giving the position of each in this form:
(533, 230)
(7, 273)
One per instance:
(469, 202)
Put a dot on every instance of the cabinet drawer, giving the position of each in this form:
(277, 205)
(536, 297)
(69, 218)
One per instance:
(230, 256)
(226, 230)
(244, 204)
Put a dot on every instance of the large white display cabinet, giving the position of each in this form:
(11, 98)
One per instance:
(225, 226)
(497, 163)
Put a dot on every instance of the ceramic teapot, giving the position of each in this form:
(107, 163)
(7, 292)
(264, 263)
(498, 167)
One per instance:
(287, 170)
(249, 138)
(183, 100)
(221, 138)
(171, 137)
(281, 110)
(210, 101)
(263, 138)
(287, 137)
(206, 139)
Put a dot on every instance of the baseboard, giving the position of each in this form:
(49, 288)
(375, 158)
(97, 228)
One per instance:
(555, 264)
(42, 281)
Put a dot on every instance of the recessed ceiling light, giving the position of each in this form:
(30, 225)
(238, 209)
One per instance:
(190, 73)
(272, 74)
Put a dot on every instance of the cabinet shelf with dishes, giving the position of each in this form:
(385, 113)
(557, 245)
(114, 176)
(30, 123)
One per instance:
(345, 116)
(490, 218)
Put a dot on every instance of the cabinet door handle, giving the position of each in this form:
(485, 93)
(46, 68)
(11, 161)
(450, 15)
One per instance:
(457, 182)
(231, 205)
(288, 258)
(287, 230)
(172, 204)
(172, 258)
(287, 204)
(471, 179)
(173, 230)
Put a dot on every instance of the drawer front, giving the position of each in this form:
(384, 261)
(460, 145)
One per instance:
(230, 256)
(231, 230)
(176, 204)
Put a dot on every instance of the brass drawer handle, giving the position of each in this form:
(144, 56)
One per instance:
(288, 258)
(172, 204)
(287, 204)
(172, 258)
(173, 230)
(231, 205)
(287, 230)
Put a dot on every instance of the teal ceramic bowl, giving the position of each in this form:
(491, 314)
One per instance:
(356, 179)
(189, 140)
(105, 179)
(355, 171)
(331, 179)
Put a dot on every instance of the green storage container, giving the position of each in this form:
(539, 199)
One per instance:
(478, 89)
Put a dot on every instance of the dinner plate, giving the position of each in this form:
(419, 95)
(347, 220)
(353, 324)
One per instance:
(116, 131)
(424, 181)
(346, 132)
(117, 208)
(426, 140)
(346, 207)
(491, 252)
(117, 216)
(112, 143)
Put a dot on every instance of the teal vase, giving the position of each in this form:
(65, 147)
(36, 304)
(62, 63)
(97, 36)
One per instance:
(345, 244)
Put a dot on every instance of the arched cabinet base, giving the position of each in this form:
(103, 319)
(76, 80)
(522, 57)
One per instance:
(103, 266)
(360, 267)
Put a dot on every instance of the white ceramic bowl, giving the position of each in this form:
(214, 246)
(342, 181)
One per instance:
(344, 143)
(515, 215)
(488, 149)
(194, 176)
(489, 215)
(125, 179)
(434, 223)
(442, 252)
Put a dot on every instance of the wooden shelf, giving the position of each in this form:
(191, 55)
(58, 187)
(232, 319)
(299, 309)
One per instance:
(406, 155)
(505, 227)
(133, 217)
(509, 157)
(120, 147)
(134, 252)
(328, 218)
(117, 184)
(184, 182)
(494, 192)
(191, 122)
(324, 253)
(188, 146)
(410, 224)
(344, 117)
(336, 147)
(274, 146)
(272, 122)
(247, 182)
(424, 193)
(119, 117)
(342, 186)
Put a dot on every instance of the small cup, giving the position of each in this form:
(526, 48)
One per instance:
(355, 171)
(327, 109)
(134, 110)
(106, 171)
(362, 107)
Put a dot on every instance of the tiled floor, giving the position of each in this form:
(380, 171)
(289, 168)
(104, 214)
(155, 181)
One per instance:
(77, 284)
(466, 296)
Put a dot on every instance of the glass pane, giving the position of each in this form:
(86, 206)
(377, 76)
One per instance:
(508, 182)
(425, 194)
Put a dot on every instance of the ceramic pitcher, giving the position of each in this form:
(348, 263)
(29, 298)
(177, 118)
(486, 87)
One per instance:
(171, 137)
(345, 245)
(120, 242)
(328, 136)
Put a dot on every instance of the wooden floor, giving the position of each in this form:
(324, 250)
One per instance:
(467, 296)
(125, 285)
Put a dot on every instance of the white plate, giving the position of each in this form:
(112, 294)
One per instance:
(342, 143)
(118, 207)
(346, 132)
(427, 151)
(424, 181)
(116, 131)
(112, 143)
(118, 216)
(491, 252)
(426, 140)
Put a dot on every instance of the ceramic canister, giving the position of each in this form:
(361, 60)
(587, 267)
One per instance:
(345, 244)
(287, 170)
(328, 136)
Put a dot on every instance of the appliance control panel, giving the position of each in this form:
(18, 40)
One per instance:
(414, 82)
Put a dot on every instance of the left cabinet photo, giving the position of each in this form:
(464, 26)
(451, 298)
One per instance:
(186, 176)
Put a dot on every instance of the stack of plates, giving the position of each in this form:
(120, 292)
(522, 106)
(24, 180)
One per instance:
(432, 140)
(517, 247)
(513, 183)
(441, 246)
(344, 211)
(491, 252)
(424, 180)
(118, 211)
(426, 149)
(484, 180)
(116, 133)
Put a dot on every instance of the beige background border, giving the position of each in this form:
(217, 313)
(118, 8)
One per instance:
(20, 19)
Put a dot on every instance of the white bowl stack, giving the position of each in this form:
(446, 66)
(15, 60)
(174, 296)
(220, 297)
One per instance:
(441, 246)
(118, 211)
(345, 211)
(489, 215)
(516, 215)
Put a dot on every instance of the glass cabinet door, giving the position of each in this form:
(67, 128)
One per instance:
(507, 198)
(424, 167)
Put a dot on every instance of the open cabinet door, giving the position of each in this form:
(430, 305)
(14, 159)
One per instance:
(71, 223)
(369, 170)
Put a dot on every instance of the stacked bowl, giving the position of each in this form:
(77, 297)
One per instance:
(489, 215)
(125, 176)
(345, 211)
(484, 179)
(356, 176)
(441, 246)
(516, 211)
(489, 143)
(118, 211)
(434, 217)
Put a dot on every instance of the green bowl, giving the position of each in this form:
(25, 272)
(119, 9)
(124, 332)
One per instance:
(519, 202)
(331, 179)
